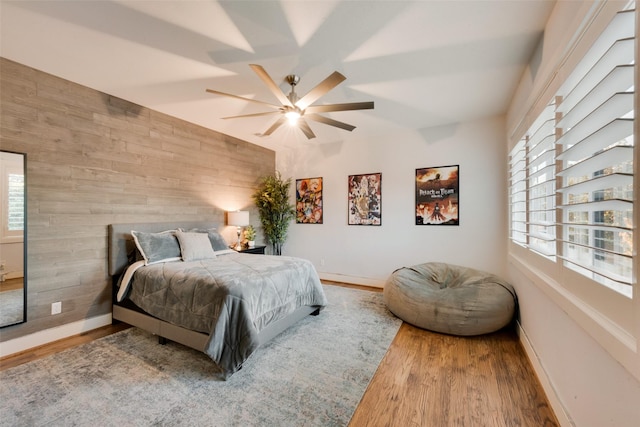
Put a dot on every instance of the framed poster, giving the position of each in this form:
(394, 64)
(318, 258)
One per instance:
(309, 201)
(437, 195)
(365, 199)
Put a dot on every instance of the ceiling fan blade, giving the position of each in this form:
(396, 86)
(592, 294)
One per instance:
(340, 107)
(261, 72)
(305, 128)
(321, 88)
(275, 126)
(242, 98)
(328, 121)
(268, 113)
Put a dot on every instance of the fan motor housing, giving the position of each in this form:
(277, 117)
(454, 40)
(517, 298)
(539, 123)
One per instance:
(293, 79)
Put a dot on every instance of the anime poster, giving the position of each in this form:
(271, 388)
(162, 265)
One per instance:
(437, 193)
(365, 199)
(309, 201)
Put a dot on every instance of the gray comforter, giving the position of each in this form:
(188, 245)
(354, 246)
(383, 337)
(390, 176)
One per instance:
(231, 297)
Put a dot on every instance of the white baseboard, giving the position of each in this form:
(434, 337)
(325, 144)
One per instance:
(363, 281)
(47, 336)
(558, 408)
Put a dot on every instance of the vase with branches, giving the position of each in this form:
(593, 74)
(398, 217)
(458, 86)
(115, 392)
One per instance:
(272, 199)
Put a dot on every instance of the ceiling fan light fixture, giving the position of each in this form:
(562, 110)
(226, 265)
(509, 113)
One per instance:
(292, 116)
(297, 110)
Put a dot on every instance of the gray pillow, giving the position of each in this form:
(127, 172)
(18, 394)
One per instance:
(217, 241)
(195, 246)
(157, 247)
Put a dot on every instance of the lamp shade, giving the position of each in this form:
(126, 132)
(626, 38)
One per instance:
(238, 218)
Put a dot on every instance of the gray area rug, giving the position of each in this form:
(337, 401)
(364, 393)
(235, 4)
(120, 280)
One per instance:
(313, 374)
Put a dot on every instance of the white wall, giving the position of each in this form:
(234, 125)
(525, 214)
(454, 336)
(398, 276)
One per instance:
(368, 254)
(591, 387)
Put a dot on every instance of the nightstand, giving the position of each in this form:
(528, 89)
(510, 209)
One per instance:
(258, 249)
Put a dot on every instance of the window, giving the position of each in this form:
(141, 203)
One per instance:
(590, 122)
(541, 183)
(596, 159)
(518, 194)
(571, 183)
(532, 185)
(15, 205)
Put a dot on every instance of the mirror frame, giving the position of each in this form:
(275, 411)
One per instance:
(24, 243)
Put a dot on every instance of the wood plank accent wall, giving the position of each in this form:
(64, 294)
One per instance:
(94, 159)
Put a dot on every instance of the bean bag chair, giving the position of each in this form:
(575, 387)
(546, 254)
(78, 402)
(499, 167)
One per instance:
(450, 299)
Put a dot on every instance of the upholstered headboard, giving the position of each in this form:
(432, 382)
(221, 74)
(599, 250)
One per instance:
(121, 242)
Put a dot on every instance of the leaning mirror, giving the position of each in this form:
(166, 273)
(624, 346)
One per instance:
(13, 242)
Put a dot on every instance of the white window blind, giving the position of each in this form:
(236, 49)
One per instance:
(12, 200)
(541, 182)
(583, 143)
(532, 186)
(596, 159)
(518, 194)
(15, 203)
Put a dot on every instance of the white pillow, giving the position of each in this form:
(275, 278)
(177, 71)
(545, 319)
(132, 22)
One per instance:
(217, 241)
(195, 246)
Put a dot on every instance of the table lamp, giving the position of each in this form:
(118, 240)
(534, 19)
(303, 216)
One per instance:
(239, 219)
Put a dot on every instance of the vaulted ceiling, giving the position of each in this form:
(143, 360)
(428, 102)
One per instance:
(424, 63)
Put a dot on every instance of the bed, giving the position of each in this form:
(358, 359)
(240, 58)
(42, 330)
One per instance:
(182, 283)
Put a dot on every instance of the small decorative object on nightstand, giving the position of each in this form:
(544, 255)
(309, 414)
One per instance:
(250, 235)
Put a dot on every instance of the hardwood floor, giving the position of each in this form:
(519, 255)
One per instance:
(425, 379)
(430, 379)
(11, 284)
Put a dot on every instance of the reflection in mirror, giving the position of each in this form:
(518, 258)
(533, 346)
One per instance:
(13, 286)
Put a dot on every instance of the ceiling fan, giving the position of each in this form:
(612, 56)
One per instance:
(298, 110)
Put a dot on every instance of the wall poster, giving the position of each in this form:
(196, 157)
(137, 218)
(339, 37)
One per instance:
(365, 199)
(309, 201)
(437, 193)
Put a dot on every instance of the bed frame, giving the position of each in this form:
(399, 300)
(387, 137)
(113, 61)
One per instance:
(121, 244)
